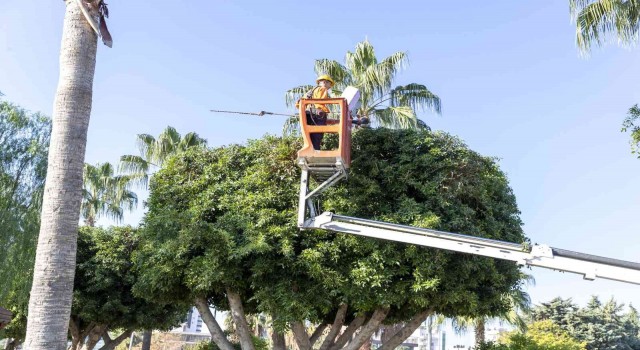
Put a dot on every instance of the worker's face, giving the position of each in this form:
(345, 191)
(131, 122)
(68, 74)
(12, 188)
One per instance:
(325, 84)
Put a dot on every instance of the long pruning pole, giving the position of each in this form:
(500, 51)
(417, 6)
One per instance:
(260, 114)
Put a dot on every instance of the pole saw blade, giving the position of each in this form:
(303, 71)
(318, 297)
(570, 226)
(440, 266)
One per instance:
(259, 114)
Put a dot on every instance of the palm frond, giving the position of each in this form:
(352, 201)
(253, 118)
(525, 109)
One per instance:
(416, 96)
(146, 143)
(363, 57)
(132, 164)
(337, 71)
(191, 140)
(595, 20)
(293, 95)
(395, 117)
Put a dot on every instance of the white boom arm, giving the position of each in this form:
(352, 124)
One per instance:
(590, 266)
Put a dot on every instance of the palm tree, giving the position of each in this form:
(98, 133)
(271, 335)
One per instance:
(153, 152)
(388, 106)
(52, 287)
(105, 194)
(595, 19)
(519, 307)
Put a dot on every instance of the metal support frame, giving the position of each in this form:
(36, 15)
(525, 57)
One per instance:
(590, 266)
(306, 198)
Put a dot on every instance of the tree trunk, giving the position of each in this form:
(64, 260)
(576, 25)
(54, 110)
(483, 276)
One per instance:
(278, 341)
(110, 344)
(368, 329)
(146, 340)
(348, 333)
(237, 312)
(317, 333)
(403, 333)
(75, 333)
(301, 336)
(336, 327)
(11, 344)
(217, 335)
(50, 301)
(479, 331)
(94, 337)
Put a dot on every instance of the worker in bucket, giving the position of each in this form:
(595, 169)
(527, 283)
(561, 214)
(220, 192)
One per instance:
(318, 113)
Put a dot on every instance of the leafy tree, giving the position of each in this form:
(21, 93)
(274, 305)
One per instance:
(105, 193)
(597, 19)
(394, 107)
(155, 151)
(562, 312)
(102, 298)
(541, 335)
(24, 143)
(221, 230)
(600, 326)
(51, 290)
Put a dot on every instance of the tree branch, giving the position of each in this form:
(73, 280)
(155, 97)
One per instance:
(237, 312)
(111, 344)
(404, 332)
(348, 333)
(278, 341)
(300, 335)
(317, 333)
(217, 335)
(367, 331)
(335, 327)
(74, 329)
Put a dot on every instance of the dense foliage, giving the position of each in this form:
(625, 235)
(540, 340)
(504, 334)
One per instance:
(102, 297)
(600, 326)
(541, 335)
(24, 142)
(224, 219)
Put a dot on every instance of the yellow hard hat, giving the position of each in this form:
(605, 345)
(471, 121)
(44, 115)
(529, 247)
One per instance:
(326, 77)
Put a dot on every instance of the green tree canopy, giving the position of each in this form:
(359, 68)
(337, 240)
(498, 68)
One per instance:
(598, 325)
(381, 102)
(102, 297)
(222, 223)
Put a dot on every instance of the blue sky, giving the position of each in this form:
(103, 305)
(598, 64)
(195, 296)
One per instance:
(509, 75)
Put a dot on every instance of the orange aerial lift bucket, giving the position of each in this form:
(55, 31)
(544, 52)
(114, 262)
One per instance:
(325, 161)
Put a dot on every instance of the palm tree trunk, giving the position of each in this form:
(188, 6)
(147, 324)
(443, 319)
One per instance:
(50, 302)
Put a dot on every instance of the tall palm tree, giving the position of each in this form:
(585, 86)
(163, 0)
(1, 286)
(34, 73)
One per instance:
(105, 194)
(52, 287)
(154, 151)
(595, 19)
(388, 106)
